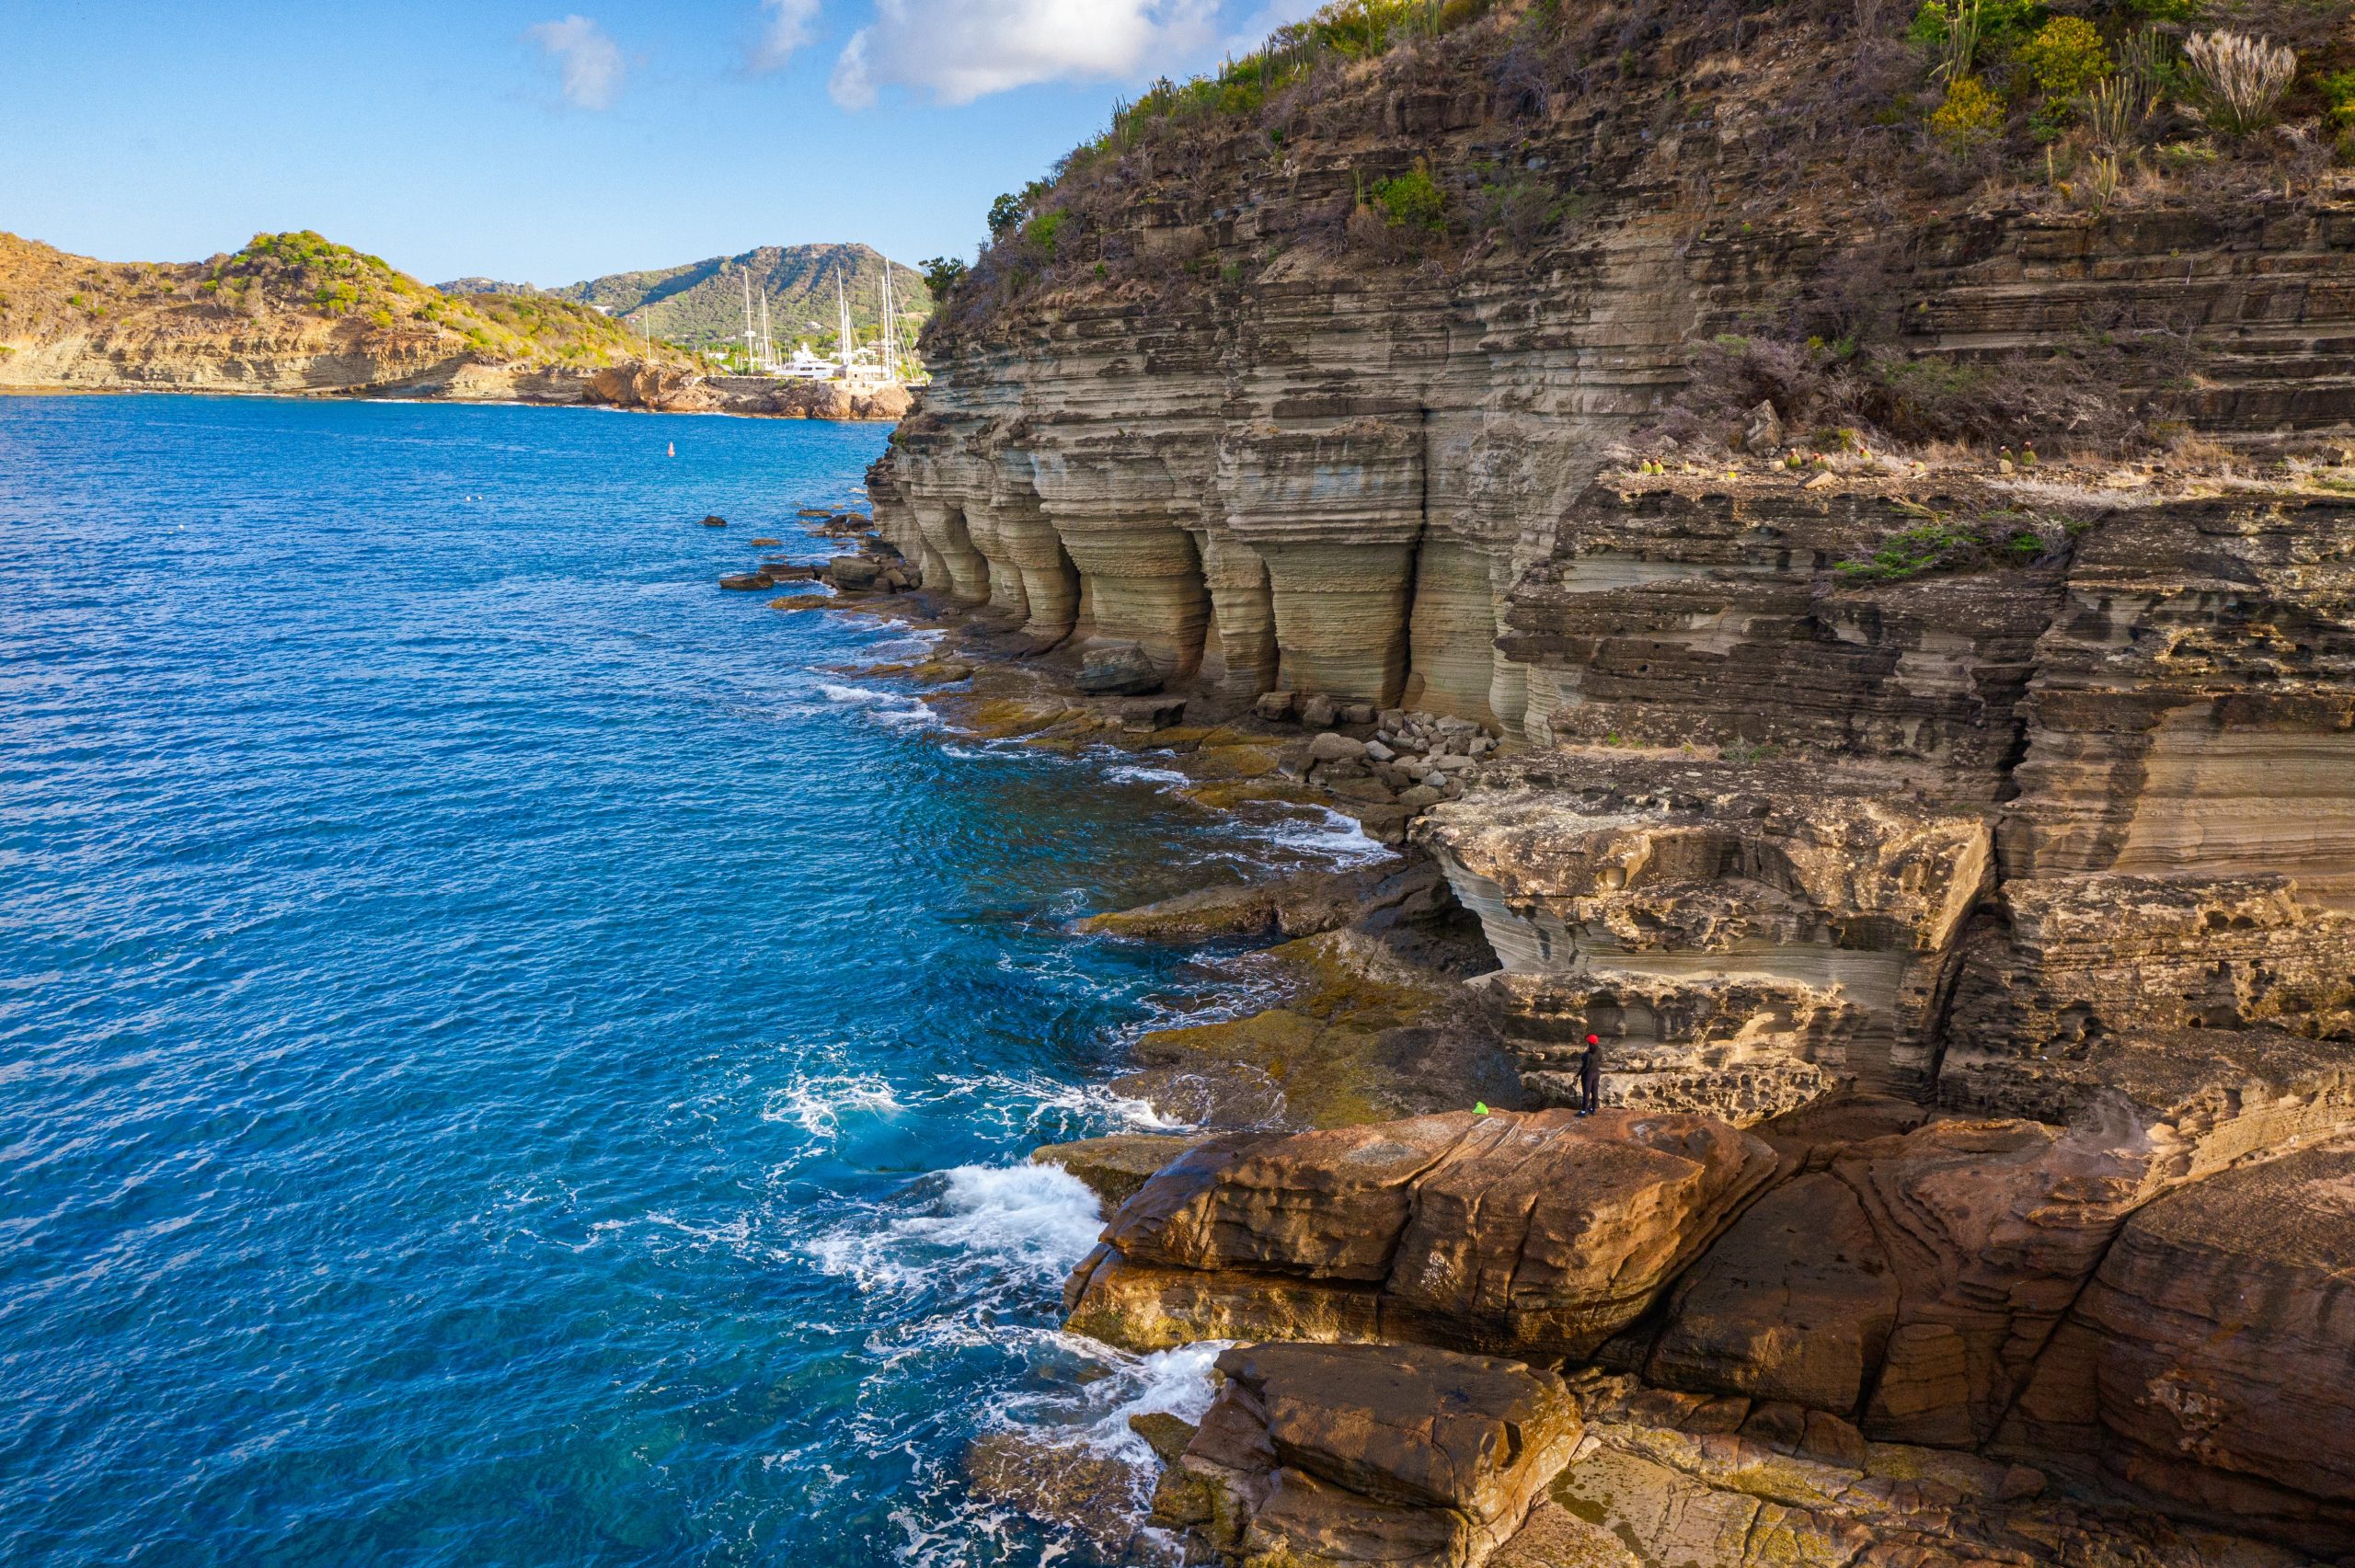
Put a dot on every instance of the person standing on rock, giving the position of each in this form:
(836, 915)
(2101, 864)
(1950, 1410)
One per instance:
(1590, 1076)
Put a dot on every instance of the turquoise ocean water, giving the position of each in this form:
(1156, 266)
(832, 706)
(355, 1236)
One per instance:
(506, 1055)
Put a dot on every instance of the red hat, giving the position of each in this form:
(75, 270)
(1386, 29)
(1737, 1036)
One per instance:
(1594, 1039)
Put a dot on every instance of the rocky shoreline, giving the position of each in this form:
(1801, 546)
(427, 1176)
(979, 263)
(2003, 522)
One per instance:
(295, 315)
(1911, 610)
(1825, 1282)
(639, 389)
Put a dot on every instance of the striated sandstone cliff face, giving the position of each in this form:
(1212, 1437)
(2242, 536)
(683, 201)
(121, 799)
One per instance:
(2025, 795)
(1908, 811)
(1369, 485)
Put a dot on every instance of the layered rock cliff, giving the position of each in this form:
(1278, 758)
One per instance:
(2005, 775)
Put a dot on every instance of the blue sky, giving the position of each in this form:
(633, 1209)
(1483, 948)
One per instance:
(547, 142)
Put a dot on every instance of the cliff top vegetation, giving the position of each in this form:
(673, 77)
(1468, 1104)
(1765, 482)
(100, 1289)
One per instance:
(47, 294)
(1441, 137)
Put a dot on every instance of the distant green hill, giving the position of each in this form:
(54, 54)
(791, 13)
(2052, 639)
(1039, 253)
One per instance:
(702, 305)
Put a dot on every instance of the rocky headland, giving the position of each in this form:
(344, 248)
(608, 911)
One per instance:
(295, 315)
(1832, 553)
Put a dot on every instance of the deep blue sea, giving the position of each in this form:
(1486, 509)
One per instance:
(508, 1054)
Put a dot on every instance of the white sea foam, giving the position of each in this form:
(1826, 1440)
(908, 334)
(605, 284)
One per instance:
(894, 710)
(905, 640)
(1039, 1217)
(1329, 835)
(820, 1101)
(1135, 773)
(1034, 1104)
(1173, 1382)
(913, 716)
(858, 696)
(1033, 1221)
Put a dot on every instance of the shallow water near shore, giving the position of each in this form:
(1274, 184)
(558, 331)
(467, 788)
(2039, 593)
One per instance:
(507, 1054)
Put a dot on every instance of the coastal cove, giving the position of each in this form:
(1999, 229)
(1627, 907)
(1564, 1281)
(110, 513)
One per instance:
(513, 1054)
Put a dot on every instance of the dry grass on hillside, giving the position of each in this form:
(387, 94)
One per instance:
(47, 294)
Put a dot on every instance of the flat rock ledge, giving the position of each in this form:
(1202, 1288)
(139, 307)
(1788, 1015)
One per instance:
(1538, 1234)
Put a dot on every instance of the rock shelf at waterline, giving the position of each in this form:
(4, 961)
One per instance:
(1783, 1249)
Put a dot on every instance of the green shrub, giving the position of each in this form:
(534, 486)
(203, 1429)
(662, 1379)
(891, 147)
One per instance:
(1954, 30)
(942, 274)
(2338, 92)
(2065, 56)
(1412, 200)
(1939, 543)
(1041, 230)
(1005, 214)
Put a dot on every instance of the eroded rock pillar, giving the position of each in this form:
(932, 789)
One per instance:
(1240, 650)
(986, 528)
(1028, 552)
(1337, 514)
(1145, 586)
(947, 541)
(1453, 632)
(1340, 612)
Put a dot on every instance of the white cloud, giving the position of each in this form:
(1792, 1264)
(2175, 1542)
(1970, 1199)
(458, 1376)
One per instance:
(961, 49)
(850, 85)
(591, 62)
(785, 28)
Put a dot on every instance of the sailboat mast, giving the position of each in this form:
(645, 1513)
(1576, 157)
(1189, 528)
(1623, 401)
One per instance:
(842, 309)
(890, 328)
(752, 345)
(768, 348)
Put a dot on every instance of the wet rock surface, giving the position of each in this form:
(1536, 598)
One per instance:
(1113, 1168)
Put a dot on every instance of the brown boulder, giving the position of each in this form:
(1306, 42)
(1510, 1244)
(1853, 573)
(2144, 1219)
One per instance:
(1553, 1231)
(1358, 1453)
(1113, 1168)
(1991, 1228)
(1542, 1234)
(1325, 1205)
(1794, 1303)
(1148, 1307)
(2210, 1366)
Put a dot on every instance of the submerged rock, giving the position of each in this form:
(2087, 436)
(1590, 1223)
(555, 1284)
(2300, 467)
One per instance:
(1091, 1493)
